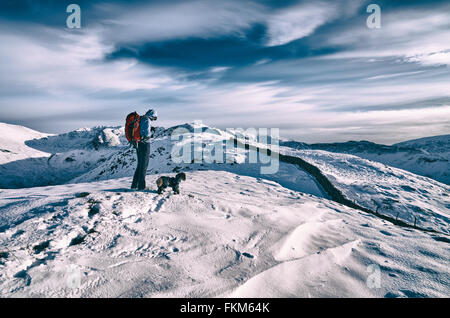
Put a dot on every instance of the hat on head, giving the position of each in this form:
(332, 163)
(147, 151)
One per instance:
(152, 114)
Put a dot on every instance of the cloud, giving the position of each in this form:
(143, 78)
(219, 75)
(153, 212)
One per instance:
(226, 62)
(73, 61)
(413, 35)
(66, 73)
(438, 58)
(297, 22)
(396, 125)
(352, 83)
(300, 114)
(161, 22)
(301, 20)
(385, 76)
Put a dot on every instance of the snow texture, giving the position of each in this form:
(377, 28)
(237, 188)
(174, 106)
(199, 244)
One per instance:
(232, 232)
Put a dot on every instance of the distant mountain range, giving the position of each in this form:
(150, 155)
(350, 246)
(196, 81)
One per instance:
(428, 156)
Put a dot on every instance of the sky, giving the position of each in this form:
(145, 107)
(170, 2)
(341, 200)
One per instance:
(313, 69)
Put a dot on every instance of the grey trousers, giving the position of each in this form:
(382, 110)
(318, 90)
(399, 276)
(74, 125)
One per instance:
(143, 158)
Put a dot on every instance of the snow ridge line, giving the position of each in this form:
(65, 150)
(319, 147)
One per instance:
(334, 193)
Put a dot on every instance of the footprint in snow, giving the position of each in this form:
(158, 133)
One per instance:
(393, 275)
(25, 276)
(40, 247)
(94, 209)
(77, 240)
(3, 256)
(18, 233)
(82, 194)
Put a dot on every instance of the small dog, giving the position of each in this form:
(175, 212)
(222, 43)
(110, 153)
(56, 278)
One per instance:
(174, 183)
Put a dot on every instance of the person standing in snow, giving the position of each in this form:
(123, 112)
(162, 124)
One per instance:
(143, 149)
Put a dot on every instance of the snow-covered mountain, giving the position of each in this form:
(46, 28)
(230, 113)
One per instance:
(326, 224)
(428, 157)
(432, 145)
(12, 143)
(29, 158)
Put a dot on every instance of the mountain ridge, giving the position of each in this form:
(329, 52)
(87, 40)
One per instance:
(428, 156)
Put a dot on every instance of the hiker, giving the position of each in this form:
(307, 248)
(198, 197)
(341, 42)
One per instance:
(138, 132)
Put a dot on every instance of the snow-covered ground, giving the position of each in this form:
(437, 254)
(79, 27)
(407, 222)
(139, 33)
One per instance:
(233, 231)
(390, 191)
(224, 235)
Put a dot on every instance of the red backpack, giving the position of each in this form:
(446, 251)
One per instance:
(132, 131)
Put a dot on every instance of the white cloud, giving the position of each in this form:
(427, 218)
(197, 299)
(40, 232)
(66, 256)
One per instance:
(412, 35)
(303, 115)
(219, 69)
(203, 19)
(438, 58)
(72, 62)
(298, 22)
(302, 20)
(207, 19)
(66, 74)
(393, 75)
(387, 126)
